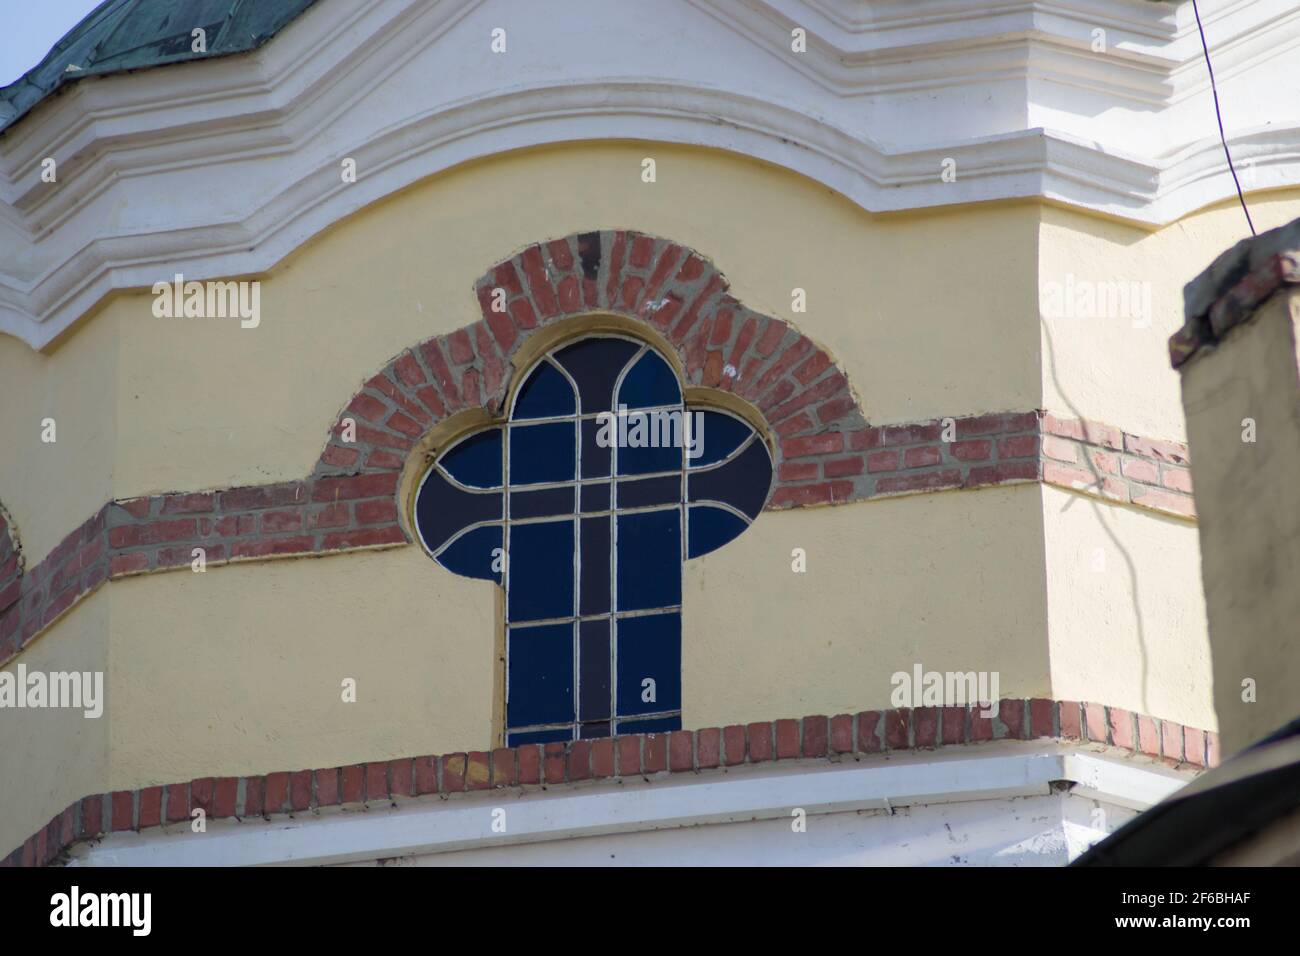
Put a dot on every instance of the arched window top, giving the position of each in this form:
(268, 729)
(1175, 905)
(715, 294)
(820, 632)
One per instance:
(583, 504)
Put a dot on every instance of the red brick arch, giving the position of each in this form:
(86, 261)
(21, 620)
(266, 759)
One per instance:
(826, 452)
(670, 289)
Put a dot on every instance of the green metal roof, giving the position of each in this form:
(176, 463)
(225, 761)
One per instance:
(120, 35)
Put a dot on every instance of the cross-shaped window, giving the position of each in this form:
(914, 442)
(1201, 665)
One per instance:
(583, 505)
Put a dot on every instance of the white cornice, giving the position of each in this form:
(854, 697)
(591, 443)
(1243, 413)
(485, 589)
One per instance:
(430, 826)
(223, 167)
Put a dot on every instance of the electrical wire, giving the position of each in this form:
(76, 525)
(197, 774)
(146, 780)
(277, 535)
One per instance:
(1218, 113)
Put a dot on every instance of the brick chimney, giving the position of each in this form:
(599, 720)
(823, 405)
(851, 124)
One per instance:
(1240, 367)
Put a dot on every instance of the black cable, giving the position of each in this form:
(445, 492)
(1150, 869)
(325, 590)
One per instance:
(1219, 115)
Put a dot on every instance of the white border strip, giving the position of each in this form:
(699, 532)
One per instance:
(441, 824)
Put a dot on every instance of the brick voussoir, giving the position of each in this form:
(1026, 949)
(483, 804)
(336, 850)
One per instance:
(756, 356)
(811, 740)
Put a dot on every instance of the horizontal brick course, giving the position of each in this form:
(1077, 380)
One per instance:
(710, 750)
(827, 452)
(337, 513)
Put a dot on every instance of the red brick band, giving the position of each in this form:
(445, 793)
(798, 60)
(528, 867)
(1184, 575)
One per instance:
(844, 736)
(985, 450)
(160, 533)
(332, 513)
(826, 451)
(1113, 464)
(670, 289)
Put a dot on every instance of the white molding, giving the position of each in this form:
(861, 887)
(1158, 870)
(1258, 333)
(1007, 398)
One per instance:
(432, 825)
(222, 168)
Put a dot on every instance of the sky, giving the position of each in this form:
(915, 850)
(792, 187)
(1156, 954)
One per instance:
(31, 27)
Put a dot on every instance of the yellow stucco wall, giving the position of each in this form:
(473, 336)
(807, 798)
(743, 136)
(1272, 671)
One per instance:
(50, 757)
(1250, 529)
(237, 670)
(951, 581)
(1126, 616)
(1109, 366)
(240, 669)
(954, 582)
(149, 405)
(49, 488)
(201, 403)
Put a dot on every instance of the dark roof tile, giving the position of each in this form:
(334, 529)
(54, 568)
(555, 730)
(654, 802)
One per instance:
(120, 35)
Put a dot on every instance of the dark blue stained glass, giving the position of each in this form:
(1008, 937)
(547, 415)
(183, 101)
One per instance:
(595, 365)
(543, 503)
(472, 553)
(649, 382)
(710, 528)
(650, 491)
(540, 678)
(546, 394)
(593, 666)
(649, 664)
(541, 570)
(718, 434)
(442, 510)
(595, 456)
(642, 461)
(540, 453)
(539, 737)
(561, 673)
(656, 725)
(476, 461)
(594, 594)
(649, 559)
(595, 497)
(742, 482)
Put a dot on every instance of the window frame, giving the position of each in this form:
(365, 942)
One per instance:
(691, 400)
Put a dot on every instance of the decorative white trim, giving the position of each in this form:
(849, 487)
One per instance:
(1153, 53)
(222, 168)
(431, 825)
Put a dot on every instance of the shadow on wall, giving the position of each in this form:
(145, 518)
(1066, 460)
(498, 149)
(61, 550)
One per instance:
(11, 568)
(1099, 511)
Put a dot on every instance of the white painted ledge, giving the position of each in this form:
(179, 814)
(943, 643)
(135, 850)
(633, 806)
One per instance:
(1055, 777)
(224, 167)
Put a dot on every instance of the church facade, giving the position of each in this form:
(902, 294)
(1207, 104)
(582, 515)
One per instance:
(689, 432)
